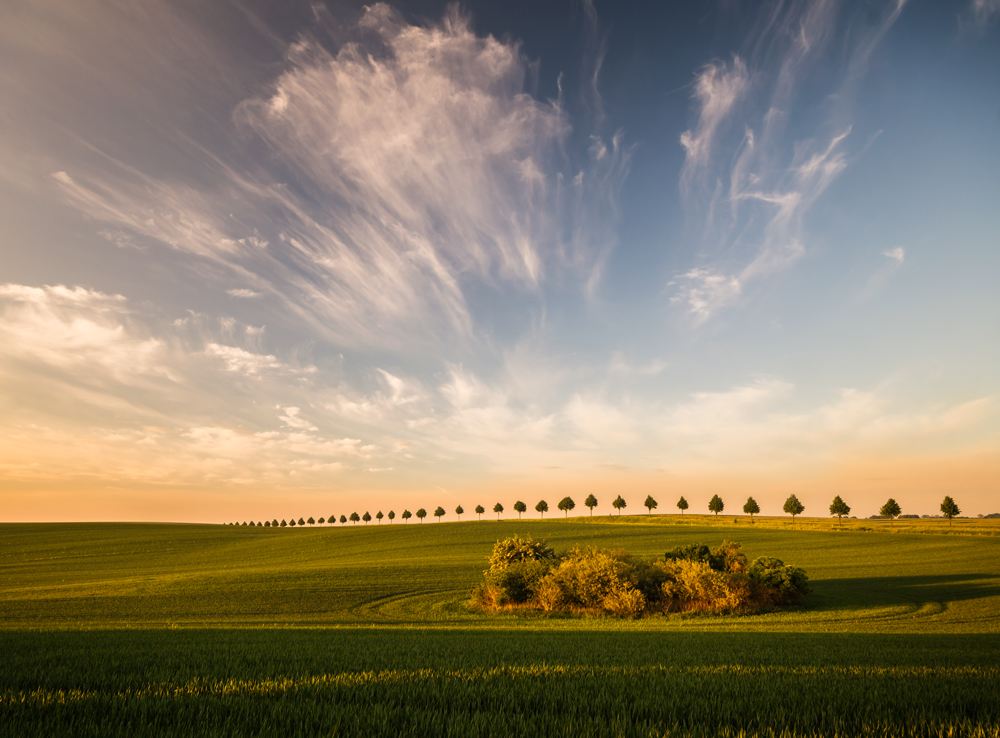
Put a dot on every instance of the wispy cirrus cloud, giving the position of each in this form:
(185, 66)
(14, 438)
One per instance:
(406, 168)
(753, 168)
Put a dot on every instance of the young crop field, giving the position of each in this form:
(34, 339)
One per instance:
(211, 630)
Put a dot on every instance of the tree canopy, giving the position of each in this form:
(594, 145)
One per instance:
(519, 507)
(682, 505)
(751, 508)
(421, 514)
(542, 507)
(355, 518)
(839, 508)
(793, 507)
(619, 504)
(566, 504)
(366, 517)
(890, 509)
(459, 511)
(498, 508)
(591, 502)
(716, 505)
(406, 515)
(949, 509)
(650, 504)
(439, 513)
(480, 510)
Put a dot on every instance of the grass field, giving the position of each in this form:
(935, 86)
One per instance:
(115, 629)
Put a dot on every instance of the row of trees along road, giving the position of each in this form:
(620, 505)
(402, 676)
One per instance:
(792, 506)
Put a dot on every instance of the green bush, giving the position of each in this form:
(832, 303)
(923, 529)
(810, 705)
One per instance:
(515, 549)
(693, 578)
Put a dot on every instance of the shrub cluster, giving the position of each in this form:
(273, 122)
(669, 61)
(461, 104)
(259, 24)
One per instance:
(525, 573)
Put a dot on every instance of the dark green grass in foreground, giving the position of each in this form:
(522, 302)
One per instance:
(477, 682)
(206, 630)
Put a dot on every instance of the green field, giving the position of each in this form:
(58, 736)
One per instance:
(125, 629)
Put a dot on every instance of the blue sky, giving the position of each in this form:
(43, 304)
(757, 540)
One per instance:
(272, 256)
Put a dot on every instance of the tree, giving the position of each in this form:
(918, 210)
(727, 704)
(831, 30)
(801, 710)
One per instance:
(650, 504)
(406, 515)
(751, 507)
(283, 524)
(355, 518)
(793, 507)
(301, 521)
(392, 516)
(311, 521)
(421, 514)
(591, 502)
(566, 504)
(891, 510)
(439, 512)
(332, 519)
(716, 505)
(619, 504)
(290, 522)
(379, 516)
(519, 507)
(839, 508)
(366, 517)
(949, 509)
(274, 523)
(542, 507)
(480, 510)
(267, 523)
(321, 521)
(498, 508)
(682, 505)
(459, 511)
(343, 519)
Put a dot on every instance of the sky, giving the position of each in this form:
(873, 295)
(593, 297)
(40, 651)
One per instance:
(266, 259)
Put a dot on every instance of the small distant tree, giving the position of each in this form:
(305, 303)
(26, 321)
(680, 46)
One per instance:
(252, 524)
(392, 516)
(366, 517)
(267, 523)
(301, 521)
(716, 505)
(949, 509)
(566, 504)
(650, 504)
(519, 507)
(459, 511)
(290, 522)
(751, 507)
(542, 507)
(480, 510)
(343, 519)
(311, 521)
(438, 513)
(274, 523)
(355, 518)
(682, 505)
(591, 502)
(421, 514)
(379, 516)
(498, 508)
(321, 521)
(283, 523)
(891, 510)
(406, 516)
(332, 519)
(793, 507)
(619, 504)
(839, 508)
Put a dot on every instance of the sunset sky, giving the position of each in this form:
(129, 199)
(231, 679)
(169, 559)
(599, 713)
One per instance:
(271, 258)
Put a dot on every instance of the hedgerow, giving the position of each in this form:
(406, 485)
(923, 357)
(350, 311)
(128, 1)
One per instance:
(525, 573)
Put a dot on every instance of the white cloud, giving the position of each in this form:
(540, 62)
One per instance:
(422, 170)
(750, 176)
(897, 254)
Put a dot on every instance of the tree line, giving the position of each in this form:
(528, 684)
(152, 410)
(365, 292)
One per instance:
(891, 510)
